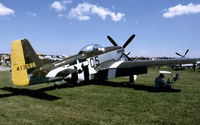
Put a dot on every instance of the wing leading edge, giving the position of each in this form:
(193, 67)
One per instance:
(156, 63)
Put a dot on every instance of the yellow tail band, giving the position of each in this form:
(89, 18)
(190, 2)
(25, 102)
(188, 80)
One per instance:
(18, 65)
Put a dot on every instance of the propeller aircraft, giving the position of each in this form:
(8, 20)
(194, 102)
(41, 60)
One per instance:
(182, 66)
(93, 62)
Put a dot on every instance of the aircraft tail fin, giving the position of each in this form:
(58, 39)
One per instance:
(23, 61)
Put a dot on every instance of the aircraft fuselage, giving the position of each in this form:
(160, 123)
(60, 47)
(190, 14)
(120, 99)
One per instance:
(86, 63)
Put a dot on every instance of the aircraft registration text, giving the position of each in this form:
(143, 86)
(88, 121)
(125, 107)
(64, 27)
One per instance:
(26, 66)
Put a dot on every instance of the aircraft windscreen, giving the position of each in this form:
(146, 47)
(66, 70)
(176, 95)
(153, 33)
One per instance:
(91, 47)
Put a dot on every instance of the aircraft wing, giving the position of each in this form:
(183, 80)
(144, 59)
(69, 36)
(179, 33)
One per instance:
(113, 69)
(146, 63)
(156, 63)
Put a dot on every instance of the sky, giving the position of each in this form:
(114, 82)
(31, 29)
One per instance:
(162, 27)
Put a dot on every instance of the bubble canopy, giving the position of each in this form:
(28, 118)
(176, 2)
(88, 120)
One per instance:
(91, 47)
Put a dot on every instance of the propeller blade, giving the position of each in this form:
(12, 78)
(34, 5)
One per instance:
(178, 54)
(112, 41)
(128, 53)
(186, 51)
(127, 56)
(128, 41)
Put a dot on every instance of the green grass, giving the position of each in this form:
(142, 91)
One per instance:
(113, 102)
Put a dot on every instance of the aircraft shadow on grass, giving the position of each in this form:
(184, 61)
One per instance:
(137, 86)
(40, 93)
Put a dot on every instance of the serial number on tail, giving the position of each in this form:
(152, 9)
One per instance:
(26, 66)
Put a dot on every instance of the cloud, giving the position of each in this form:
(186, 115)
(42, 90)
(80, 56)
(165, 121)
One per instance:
(84, 10)
(65, 2)
(58, 6)
(4, 11)
(31, 14)
(181, 10)
(61, 15)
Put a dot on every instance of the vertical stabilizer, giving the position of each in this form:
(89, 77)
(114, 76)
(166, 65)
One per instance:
(23, 61)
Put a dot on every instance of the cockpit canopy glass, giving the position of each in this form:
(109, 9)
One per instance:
(91, 47)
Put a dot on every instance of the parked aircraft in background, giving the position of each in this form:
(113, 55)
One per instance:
(93, 62)
(183, 66)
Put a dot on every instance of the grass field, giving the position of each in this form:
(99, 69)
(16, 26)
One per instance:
(112, 102)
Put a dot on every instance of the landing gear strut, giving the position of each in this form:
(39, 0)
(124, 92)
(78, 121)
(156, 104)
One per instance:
(194, 67)
(131, 79)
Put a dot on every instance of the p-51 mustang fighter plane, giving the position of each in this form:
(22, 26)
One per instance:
(93, 62)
